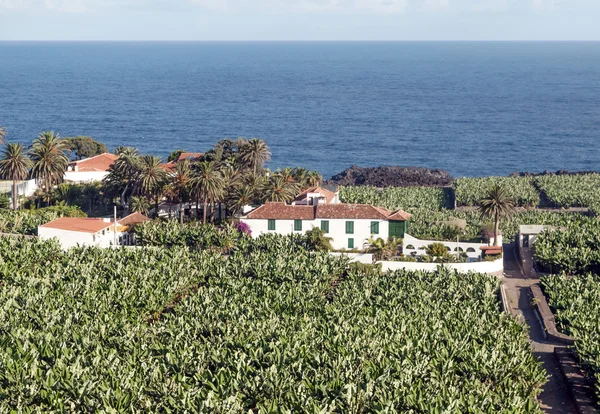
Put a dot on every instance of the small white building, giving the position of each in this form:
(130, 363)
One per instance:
(316, 195)
(349, 225)
(100, 232)
(411, 246)
(90, 169)
(528, 234)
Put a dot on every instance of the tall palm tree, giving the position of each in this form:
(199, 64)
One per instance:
(255, 153)
(495, 205)
(314, 178)
(278, 189)
(207, 184)
(123, 175)
(152, 177)
(49, 156)
(240, 197)
(14, 165)
(3, 133)
(180, 181)
(140, 204)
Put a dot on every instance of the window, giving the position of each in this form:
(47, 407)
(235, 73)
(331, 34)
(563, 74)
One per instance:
(410, 247)
(271, 224)
(349, 227)
(297, 225)
(325, 226)
(471, 250)
(374, 227)
(351, 243)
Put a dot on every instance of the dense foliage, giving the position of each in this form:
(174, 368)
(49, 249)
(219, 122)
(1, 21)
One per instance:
(394, 198)
(27, 221)
(573, 250)
(572, 190)
(274, 328)
(469, 191)
(576, 304)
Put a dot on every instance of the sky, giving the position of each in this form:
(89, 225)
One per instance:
(299, 20)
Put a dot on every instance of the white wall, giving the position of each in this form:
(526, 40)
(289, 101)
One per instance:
(366, 258)
(417, 243)
(479, 267)
(337, 230)
(24, 188)
(85, 176)
(68, 239)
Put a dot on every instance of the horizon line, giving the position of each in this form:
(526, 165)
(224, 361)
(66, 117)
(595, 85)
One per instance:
(298, 41)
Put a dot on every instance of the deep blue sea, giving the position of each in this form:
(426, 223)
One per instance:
(471, 108)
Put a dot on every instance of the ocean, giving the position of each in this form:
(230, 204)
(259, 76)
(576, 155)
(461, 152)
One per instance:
(471, 108)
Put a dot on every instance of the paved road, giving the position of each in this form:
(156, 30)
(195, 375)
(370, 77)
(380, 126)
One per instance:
(555, 398)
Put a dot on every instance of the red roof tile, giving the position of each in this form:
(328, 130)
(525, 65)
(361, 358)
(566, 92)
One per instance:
(282, 211)
(329, 195)
(133, 218)
(352, 211)
(100, 162)
(80, 224)
(189, 156)
(400, 215)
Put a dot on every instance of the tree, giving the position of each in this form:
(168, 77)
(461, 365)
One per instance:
(173, 156)
(3, 134)
(14, 165)
(180, 182)
(496, 205)
(278, 189)
(437, 250)
(377, 247)
(48, 154)
(122, 179)
(84, 147)
(152, 177)
(255, 153)
(318, 241)
(207, 184)
(140, 204)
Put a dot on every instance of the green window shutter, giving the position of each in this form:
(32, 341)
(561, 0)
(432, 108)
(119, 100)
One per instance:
(297, 225)
(351, 243)
(349, 227)
(271, 224)
(374, 227)
(325, 226)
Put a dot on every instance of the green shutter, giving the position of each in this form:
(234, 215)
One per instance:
(351, 243)
(349, 227)
(374, 227)
(297, 225)
(271, 224)
(325, 226)
(397, 229)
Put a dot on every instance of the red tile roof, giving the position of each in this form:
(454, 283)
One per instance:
(282, 211)
(133, 218)
(329, 195)
(85, 225)
(100, 162)
(168, 166)
(189, 156)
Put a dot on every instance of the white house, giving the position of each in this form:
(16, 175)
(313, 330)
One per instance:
(316, 195)
(90, 169)
(411, 246)
(349, 225)
(74, 231)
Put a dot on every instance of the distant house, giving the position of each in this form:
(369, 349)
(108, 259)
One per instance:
(74, 231)
(316, 195)
(90, 169)
(190, 156)
(349, 225)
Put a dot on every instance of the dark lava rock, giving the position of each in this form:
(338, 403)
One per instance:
(388, 176)
(559, 172)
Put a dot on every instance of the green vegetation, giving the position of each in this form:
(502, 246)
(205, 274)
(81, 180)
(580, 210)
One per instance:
(576, 304)
(84, 147)
(27, 221)
(394, 198)
(469, 191)
(572, 190)
(274, 328)
(496, 205)
(573, 250)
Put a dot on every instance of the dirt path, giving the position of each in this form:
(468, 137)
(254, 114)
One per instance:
(555, 398)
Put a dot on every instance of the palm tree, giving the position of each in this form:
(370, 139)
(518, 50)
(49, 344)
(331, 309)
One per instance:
(181, 184)
(255, 153)
(317, 239)
(495, 205)
(140, 204)
(207, 184)
(314, 178)
(152, 177)
(278, 189)
(50, 160)
(123, 174)
(3, 134)
(240, 197)
(14, 165)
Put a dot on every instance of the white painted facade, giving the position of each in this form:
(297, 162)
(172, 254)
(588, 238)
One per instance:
(480, 267)
(84, 176)
(411, 246)
(68, 238)
(337, 230)
(24, 188)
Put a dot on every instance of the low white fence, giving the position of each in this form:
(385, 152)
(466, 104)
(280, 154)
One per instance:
(479, 267)
(366, 258)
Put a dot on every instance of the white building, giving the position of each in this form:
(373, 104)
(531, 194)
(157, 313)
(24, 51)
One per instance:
(316, 195)
(78, 231)
(90, 169)
(411, 246)
(349, 225)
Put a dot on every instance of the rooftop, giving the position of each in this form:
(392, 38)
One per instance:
(92, 225)
(282, 211)
(100, 162)
(189, 156)
(328, 195)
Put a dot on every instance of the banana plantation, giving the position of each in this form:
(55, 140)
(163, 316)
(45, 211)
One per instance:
(272, 328)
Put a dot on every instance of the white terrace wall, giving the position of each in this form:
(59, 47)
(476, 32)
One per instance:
(366, 258)
(24, 188)
(479, 267)
(85, 176)
(472, 250)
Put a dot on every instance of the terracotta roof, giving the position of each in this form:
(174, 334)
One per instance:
(282, 211)
(85, 225)
(169, 166)
(133, 218)
(189, 156)
(329, 195)
(100, 162)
